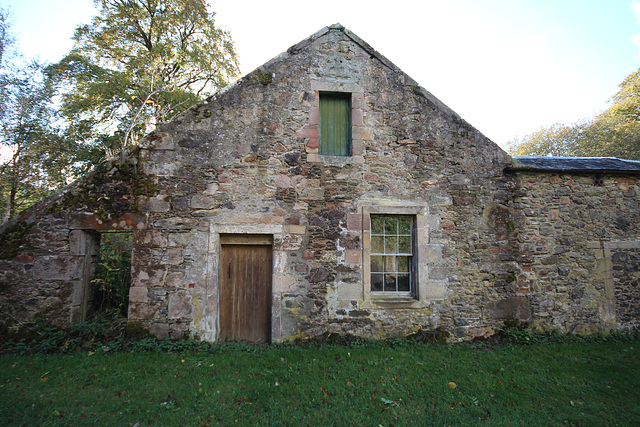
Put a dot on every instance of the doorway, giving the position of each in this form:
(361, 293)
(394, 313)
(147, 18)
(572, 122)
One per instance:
(246, 264)
(112, 276)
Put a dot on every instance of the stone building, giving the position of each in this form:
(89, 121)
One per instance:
(328, 192)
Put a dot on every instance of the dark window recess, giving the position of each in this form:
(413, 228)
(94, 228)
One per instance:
(335, 124)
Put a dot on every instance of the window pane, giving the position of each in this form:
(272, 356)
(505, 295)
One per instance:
(377, 244)
(390, 225)
(404, 285)
(392, 253)
(377, 224)
(389, 283)
(403, 264)
(390, 245)
(404, 245)
(376, 264)
(389, 264)
(376, 282)
(404, 225)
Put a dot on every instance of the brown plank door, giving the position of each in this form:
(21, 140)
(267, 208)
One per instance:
(245, 287)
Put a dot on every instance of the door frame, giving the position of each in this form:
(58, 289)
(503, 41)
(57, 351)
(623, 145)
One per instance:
(244, 239)
(209, 323)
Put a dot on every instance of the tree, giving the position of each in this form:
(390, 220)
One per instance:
(556, 140)
(34, 160)
(138, 64)
(7, 42)
(613, 133)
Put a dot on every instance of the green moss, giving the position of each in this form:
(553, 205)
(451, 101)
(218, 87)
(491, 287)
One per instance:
(511, 226)
(264, 78)
(511, 278)
(55, 208)
(145, 187)
(12, 239)
(196, 109)
(110, 192)
(207, 113)
(416, 89)
(135, 329)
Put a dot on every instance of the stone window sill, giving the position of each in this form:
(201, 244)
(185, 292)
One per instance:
(398, 302)
(335, 160)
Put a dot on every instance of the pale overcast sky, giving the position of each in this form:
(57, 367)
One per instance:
(508, 67)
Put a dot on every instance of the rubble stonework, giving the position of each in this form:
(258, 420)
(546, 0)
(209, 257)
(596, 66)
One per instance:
(578, 249)
(492, 243)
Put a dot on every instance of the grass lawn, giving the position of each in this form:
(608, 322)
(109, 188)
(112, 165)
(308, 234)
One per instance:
(365, 385)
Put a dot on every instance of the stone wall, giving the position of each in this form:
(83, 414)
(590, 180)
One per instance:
(49, 251)
(489, 245)
(248, 162)
(626, 276)
(576, 237)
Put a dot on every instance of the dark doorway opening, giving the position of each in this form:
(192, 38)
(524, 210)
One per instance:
(112, 277)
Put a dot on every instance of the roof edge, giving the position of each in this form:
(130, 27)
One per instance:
(558, 164)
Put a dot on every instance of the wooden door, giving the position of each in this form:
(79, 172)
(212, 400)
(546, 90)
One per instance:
(245, 287)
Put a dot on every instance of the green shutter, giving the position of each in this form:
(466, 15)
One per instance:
(335, 124)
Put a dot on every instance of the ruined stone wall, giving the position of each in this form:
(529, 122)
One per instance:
(578, 237)
(49, 252)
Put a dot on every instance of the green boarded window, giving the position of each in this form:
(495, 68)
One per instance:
(335, 124)
(392, 249)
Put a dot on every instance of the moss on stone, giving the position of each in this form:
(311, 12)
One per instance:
(110, 192)
(264, 78)
(136, 329)
(12, 240)
(196, 109)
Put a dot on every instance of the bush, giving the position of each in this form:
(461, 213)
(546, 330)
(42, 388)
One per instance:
(105, 330)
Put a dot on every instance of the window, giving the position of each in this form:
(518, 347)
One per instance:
(335, 124)
(392, 254)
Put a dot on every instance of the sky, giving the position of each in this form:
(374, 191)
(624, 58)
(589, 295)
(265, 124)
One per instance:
(508, 67)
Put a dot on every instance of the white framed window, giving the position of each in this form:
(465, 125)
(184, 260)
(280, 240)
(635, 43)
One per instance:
(392, 256)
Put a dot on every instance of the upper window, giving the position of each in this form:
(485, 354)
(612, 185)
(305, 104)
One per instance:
(335, 124)
(392, 254)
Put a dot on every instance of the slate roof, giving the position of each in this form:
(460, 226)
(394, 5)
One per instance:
(575, 164)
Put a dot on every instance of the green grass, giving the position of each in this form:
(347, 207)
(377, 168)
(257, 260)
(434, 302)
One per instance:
(578, 383)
